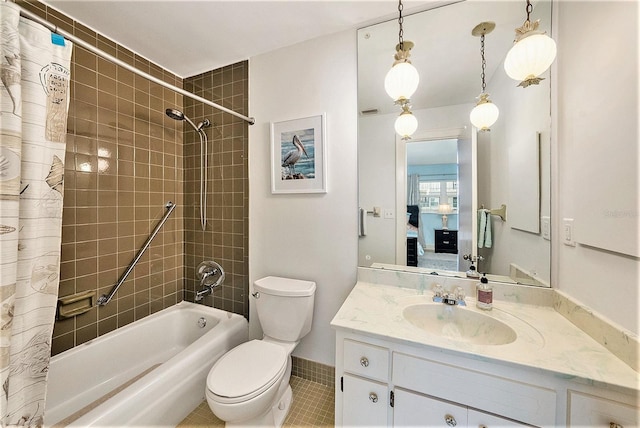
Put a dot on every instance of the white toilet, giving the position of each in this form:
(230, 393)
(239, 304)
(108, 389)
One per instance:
(249, 385)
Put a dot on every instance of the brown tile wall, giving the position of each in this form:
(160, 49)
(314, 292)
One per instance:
(124, 161)
(226, 237)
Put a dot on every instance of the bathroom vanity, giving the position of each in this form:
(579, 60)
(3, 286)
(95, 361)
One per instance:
(403, 360)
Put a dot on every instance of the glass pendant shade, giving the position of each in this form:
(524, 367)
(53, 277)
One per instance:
(406, 124)
(401, 81)
(529, 58)
(485, 114)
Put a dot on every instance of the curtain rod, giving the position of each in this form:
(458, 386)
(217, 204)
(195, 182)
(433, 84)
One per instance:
(80, 42)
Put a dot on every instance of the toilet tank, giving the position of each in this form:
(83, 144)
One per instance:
(285, 307)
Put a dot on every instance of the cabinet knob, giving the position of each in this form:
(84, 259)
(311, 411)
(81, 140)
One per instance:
(450, 420)
(615, 425)
(373, 397)
(364, 362)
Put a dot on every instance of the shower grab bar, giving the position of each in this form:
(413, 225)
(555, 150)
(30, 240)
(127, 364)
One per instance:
(106, 298)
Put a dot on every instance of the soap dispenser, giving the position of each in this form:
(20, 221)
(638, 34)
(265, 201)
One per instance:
(472, 272)
(484, 294)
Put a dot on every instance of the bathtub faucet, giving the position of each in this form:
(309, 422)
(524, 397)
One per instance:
(207, 271)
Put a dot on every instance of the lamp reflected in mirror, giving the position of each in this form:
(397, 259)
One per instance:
(444, 209)
(485, 113)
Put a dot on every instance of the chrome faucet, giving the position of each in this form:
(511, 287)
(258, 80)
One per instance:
(206, 271)
(449, 298)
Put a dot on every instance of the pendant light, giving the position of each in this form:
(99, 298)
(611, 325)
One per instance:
(485, 113)
(531, 55)
(406, 124)
(402, 80)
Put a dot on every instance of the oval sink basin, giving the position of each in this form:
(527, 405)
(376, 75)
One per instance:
(459, 323)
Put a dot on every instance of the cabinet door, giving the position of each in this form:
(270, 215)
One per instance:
(590, 411)
(416, 410)
(476, 419)
(365, 402)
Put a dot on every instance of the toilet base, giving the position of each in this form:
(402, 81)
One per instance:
(282, 407)
(274, 417)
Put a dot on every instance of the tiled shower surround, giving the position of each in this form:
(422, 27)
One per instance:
(125, 159)
(226, 237)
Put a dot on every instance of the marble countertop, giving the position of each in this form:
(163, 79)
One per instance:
(546, 340)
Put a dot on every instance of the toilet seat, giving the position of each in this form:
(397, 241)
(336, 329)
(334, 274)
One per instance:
(247, 371)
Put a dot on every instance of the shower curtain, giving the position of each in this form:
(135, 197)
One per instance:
(413, 198)
(34, 102)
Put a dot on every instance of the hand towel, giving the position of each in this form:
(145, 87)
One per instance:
(482, 224)
(485, 239)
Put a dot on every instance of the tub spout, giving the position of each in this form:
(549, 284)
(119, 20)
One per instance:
(202, 293)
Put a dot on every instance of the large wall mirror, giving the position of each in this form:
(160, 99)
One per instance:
(450, 191)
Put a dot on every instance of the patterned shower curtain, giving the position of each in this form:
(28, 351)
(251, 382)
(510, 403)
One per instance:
(34, 102)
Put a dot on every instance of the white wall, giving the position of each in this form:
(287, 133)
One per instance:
(306, 236)
(597, 145)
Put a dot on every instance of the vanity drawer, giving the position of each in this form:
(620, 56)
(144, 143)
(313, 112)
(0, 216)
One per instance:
(587, 410)
(366, 360)
(515, 400)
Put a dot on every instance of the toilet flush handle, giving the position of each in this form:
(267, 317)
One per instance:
(256, 294)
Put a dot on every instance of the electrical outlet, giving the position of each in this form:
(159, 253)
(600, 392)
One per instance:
(545, 224)
(388, 213)
(567, 232)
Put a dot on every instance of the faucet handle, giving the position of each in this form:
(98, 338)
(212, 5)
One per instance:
(460, 295)
(437, 293)
(437, 290)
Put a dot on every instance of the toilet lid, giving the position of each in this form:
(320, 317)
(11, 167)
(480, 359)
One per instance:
(247, 369)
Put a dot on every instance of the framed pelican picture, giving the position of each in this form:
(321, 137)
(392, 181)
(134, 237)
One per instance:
(298, 156)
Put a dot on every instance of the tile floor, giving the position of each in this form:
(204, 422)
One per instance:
(313, 406)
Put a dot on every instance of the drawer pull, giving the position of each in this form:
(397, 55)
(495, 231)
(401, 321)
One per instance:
(445, 242)
(450, 420)
(615, 425)
(373, 397)
(364, 362)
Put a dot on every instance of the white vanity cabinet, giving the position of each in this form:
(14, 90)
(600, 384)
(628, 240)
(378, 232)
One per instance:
(385, 384)
(389, 383)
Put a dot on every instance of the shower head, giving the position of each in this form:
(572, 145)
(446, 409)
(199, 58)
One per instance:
(178, 115)
(175, 114)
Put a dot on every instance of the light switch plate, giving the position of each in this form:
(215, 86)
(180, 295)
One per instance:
(567, 232)
(545, 224)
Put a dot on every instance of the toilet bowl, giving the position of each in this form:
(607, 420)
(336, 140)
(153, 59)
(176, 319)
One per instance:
(245, 383)
(249, 385)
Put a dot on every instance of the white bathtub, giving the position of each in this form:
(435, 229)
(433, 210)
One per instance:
(170, 345)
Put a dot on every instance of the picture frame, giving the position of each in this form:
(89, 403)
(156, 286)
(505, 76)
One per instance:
(298, 155)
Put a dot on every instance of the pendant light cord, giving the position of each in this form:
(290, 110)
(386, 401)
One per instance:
(484, 63)
(529, 10)
(400, 20)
